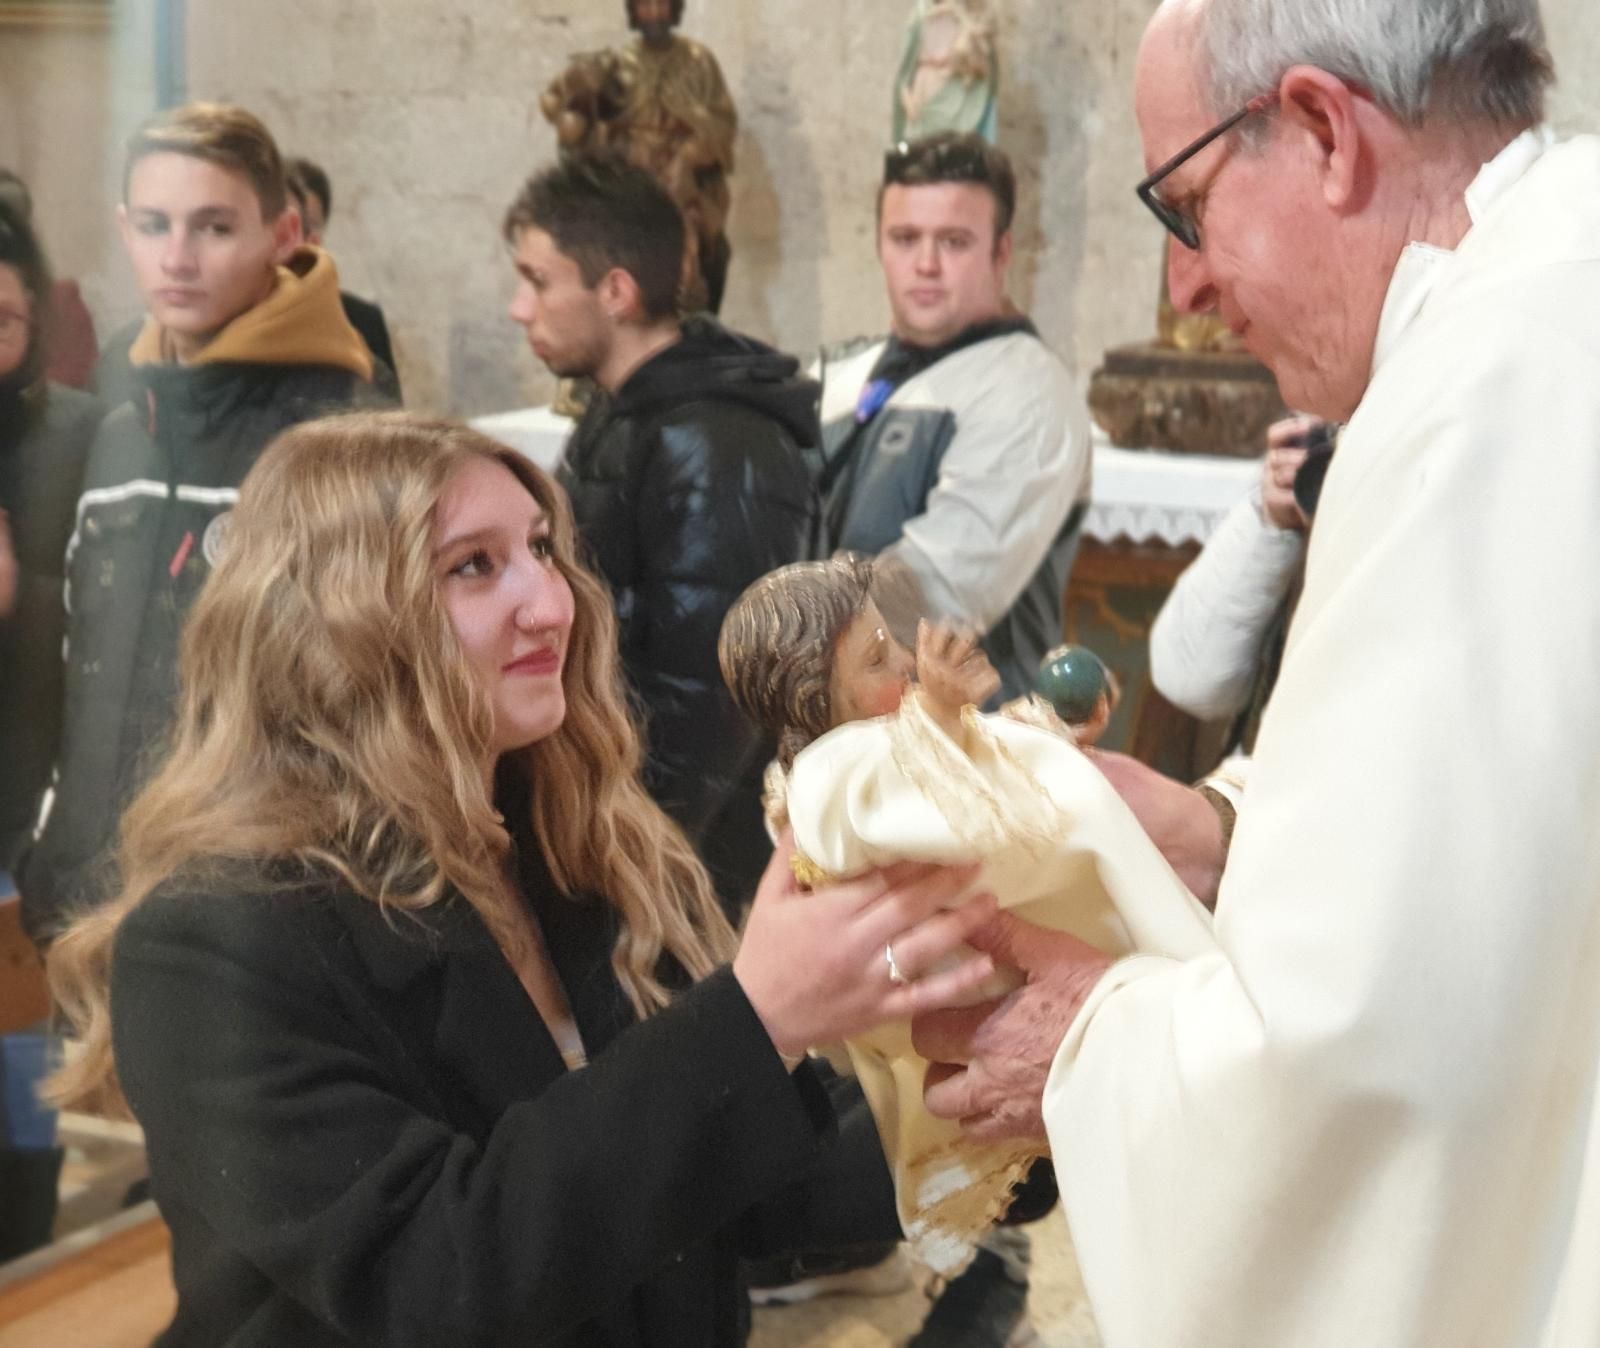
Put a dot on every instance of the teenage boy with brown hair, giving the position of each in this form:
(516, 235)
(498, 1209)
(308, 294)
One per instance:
(244, 337)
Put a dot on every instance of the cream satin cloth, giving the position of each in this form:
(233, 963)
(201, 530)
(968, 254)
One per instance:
(1057, 845)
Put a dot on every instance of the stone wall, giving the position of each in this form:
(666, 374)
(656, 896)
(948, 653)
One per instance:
(69, 94)
(426, 116)
(427, 120)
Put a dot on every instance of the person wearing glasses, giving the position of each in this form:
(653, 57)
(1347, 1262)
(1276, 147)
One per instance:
(958, 444)
(1369, 1114)
(45, 433)
(69, 326)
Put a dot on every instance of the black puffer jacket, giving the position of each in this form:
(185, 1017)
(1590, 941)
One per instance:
(162, 476)
(44, 443)
(689, 483)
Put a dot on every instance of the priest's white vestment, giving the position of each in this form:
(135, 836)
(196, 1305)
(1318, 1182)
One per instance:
(1369, 1115)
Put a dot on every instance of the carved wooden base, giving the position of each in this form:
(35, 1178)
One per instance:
(1197, 402)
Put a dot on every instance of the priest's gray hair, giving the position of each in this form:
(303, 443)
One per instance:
(1469, 61)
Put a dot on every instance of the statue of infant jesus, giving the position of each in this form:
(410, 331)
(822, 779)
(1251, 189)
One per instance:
(873, 768)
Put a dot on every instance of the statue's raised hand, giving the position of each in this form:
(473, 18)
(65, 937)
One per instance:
(953, 672)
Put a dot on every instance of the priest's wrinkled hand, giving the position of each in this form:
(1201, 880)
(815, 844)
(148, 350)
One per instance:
(1182, 824)
(989, 1063)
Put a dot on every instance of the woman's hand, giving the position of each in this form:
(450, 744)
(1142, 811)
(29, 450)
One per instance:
(816, 966)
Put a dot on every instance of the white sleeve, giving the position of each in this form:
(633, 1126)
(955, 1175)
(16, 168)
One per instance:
(1019, 461)
(1205, 644)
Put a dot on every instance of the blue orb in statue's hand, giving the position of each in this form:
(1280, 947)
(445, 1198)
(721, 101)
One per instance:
(1072, 679)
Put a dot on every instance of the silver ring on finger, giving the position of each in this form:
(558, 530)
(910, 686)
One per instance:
(895, 975)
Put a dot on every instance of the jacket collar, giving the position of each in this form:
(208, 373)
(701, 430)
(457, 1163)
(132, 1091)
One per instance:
(710, 364)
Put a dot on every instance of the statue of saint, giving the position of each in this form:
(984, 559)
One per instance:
(949, 72)
(661, 103)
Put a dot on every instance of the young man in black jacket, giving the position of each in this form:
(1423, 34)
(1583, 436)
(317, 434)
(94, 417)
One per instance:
(244, 336)
(689, 476)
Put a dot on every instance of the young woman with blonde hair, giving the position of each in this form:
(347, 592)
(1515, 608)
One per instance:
(424, 1006)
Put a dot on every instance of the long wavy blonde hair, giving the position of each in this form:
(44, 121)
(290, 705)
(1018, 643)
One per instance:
(328, 716)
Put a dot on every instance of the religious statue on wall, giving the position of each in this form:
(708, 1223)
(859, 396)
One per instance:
(661, 103)
(949, 71)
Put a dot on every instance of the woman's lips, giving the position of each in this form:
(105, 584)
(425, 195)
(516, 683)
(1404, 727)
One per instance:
(536, 662)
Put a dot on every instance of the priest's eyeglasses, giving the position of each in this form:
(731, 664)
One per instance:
(1179, 222)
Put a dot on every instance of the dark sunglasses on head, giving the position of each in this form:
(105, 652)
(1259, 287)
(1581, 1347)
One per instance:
(945, 161)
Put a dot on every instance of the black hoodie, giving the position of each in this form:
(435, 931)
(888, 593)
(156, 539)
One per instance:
(691, 481)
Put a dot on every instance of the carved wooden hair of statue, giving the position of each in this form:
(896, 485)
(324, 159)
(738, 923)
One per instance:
(777, 644)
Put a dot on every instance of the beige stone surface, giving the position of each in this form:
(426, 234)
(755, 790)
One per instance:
(426, 115)
(68, 98)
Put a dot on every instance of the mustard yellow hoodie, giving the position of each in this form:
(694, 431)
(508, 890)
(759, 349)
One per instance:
(300, 323)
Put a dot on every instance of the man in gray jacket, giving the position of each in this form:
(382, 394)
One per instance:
(959, 444)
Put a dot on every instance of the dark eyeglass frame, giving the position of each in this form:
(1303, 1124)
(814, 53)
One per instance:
(1183, 227)
(960, 158)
